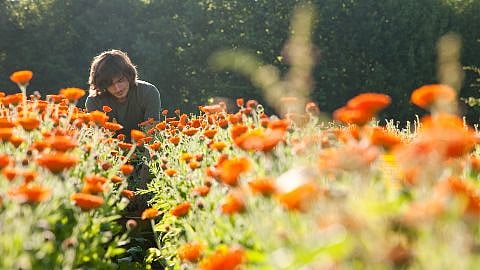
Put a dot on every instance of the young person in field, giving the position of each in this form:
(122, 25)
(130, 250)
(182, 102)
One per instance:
(114, 82)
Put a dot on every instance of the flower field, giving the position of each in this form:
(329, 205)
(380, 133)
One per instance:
(240, 190)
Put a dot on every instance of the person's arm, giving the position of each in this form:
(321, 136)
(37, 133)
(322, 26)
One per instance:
(153, 103)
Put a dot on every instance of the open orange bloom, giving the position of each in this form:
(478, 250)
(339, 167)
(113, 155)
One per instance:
(233, 203)
(4, 160)
(126, 169)
(94, 184)
(5, 134)
(61, 143)
(262, 185)
(190, 252)
(224, 259)
(72, 93)
(87, 201)
(219, 146)
(112, 126)
(384, 138)
(201, 190)
(190, 131)
(128, 194)
(260, 140)
(98, 117)
(430, 94)
(6, 123)
(170, 172)
(352, 116)
(13, 99)
(174, 140)
(22, 77)
(181, 209)
(150, 213)
(30, 193)
(29, 123)
(369, 102)
(57, 161)
(106, 108)
(230, 170)
(210, 109)
(300, 197)
(116, 179)
(137, 135)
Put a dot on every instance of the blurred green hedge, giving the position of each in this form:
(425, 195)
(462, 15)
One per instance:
(364, 45)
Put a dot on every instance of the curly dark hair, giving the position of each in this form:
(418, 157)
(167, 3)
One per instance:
(108, 65)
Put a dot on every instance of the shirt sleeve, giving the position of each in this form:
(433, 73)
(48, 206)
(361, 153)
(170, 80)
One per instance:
(153, 103)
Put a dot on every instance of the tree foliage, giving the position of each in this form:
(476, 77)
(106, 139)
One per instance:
(386, 46)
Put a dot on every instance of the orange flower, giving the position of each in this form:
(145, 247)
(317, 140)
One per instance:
(6, 123)
(116, 179)
(231, 169)
(10, 173)
(352, 116)
(369, 102)
(30, 193)
(98, 117)
(219, 146)
(29, 123)
(260, 140)
(210, 109)
(238, 130)
(240, 102)
(190, 131)
(170, 172)
(16, 140)
(128, 194)
(39, 145)
(299, 197)
(224, 259)
(150, 213)
(21, 77)
(106, 108)
(61, 143)
(201, 190)
(57, 161)
(137, 135)
(233, 203)
(124, 145)
(193, 164)
(262, 185)
(147, 122)
(190, 252)
(93, 183)
(13, 99)
(112, 126)
(4, 160)
(126, 169)
(281, 124)
(5, 134)
(430, 94)
(72, 93)
(181, 209)
(87, 201)
(161, 125)
(384, 138)
(174, 140)
(155, 146)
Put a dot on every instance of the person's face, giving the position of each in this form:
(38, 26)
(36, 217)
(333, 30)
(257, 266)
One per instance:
(119, 88)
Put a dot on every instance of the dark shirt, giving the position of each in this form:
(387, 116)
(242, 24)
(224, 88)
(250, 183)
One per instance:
(143, 102)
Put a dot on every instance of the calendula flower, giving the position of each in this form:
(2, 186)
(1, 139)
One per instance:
(87, 201)
(427, 95)
(262, 185)
(234, 202)
(112, 126)
(126, 169)
(106, 108)
(137, 135)
(190, 251)
(128, 194)
(181, 209)
(61, 143)
(224, 259)
(30, 193)
(29, 123)
(369, 102)
(150, 213)
(57, 161)
(21, 77)
(72, 93)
